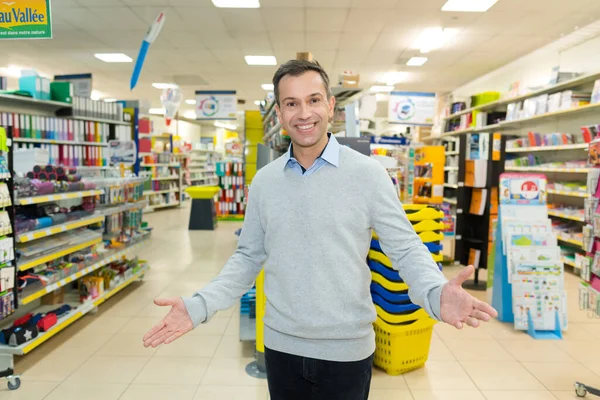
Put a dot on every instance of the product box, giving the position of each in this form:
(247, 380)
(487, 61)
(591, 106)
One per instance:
(45, 88)
(55, 297)
(304, 56)
(32, 85)
(61, 91)
(349, 80)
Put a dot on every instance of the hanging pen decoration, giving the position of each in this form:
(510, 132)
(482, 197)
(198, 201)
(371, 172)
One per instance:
(151, 35)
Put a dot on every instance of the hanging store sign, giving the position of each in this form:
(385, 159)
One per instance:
(216, 104)
(411, 108)
(25, 19)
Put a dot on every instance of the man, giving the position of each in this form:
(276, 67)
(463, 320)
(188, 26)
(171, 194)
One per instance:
(308, 223)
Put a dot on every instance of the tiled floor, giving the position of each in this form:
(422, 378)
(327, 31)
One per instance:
(101, 357)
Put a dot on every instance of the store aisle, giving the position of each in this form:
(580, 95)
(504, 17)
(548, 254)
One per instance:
(102, 358)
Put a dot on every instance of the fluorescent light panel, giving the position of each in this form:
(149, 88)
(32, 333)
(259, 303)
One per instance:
(267, 86)
(236, 3)
(225, 126)
(96, 95)
(468, 5)
(160, 85)
(417, 61)
(258, 102)
(261, 60)
(110, 100)
(190, 114)
(392, 77)
(432, 39)
(157, 111)
(113, 57)
(190, 101)
(381, 89)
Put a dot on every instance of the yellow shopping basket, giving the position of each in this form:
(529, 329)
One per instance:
(402, 348)
(395, 319)
(421, 212)
(389, 285)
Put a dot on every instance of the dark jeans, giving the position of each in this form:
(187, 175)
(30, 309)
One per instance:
(293, 377)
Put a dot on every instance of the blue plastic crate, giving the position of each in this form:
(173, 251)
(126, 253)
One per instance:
(388, 273)
(394, 308)
(390, 297)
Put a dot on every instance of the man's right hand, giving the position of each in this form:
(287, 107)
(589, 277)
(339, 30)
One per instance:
(174, 325)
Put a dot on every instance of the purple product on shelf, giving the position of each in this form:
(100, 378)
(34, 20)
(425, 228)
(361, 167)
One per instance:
(43, 187)
(31, 175)
(87, 185)
(43, 176)
(24, 225)
(60, 171)
(48, 169)
(52, 176)
(37, 169)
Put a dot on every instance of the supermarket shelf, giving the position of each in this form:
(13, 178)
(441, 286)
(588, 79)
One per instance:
(270, 110)
(565, 216)
(105, 261)
(571, 241)
(171, 178)
(545, 169)
(470, 130)
(69, 318)
(102, 120)
(428, 138)
(570, 194)
(450, 168)
(11, 100)
(174, 165)
(51, 141)
(570, 263)
(554, 88)
(272, 132)
(549, 148)
(550, 115)
(151, 192)
(122, 208)
(144, 154)
(59, 196)
(53, 230)
(165, 205)
(450, 201)
(58, 254)
(452, 153)
(448, 185)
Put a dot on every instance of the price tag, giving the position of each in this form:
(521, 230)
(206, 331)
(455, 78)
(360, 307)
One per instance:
(459, 211)
(64, 196)
(48, 232)
(51, 288)
(29, 236)
(63, 228)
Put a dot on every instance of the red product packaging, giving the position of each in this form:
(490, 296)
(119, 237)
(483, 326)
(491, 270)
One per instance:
(23, 320)
(47, 322)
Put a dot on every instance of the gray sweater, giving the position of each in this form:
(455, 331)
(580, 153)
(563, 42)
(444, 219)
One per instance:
(312, 235)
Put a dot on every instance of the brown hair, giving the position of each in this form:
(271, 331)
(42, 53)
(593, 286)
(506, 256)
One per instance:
(297, 68)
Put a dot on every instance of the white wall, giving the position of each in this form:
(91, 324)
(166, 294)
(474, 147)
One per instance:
(534, 69)
(188, 132)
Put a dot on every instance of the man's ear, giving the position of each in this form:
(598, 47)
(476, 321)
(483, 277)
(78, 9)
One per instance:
(278, 111)
(331, 107)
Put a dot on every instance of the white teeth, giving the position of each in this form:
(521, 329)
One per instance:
(304, 127)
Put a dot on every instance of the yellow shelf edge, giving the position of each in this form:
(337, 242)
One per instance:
(58, 196)
(570, 194)
(56, 329)
(564, 216)
(30, 236)
(58, 254)
(572, 241)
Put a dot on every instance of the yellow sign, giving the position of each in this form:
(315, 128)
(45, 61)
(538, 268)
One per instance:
(25, 19)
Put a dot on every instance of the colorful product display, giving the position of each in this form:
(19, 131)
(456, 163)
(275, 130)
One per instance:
(232, 198)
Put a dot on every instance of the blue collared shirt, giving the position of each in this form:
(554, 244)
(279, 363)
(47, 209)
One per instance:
(330, 155)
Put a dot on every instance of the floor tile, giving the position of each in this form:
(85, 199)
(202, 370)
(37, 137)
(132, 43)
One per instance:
(561, 376)
(87, 391)
(447, 395)
(477, 350)
(173, 371)
(231, 347)
(139, 325)
(232, 393)
(190, 346)
(216, 326)
(105, 324)
(381, 380)
(531, 350)
(233, 326)
(389, 394)
(56, 367)
(500, 375)
(29, 390)
(567, 395)
(521, 395)
(446, 331)
(159, 392)
(439, 375)
(578, 350)
(109, 369)
(439, 351)
(230, 372)
(125, 344)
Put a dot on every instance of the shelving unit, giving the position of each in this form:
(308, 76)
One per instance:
(157, 174)
(203, 167)
(69, 226)
(56, 197)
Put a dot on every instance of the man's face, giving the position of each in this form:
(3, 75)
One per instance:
(304, 109)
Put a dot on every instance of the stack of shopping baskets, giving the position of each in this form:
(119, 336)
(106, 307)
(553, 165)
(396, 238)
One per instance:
(403, 329)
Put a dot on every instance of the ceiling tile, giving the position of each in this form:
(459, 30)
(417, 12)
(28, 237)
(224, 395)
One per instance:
(182, 40)
(352, 41)
(284, 41)
(381, 57)
(395, 41)
(198, 19)
(201, 57)
(283, 20)
(328, 3)
(243, 20)
(229, 56)
(63, 4)
(421, 5)
(351, 56)
(322, 41)
(281, 3)
(325, 20)
(119, 18)
(324, 56)
(149, 14)
(364, 20)
(82, 18)
(89, 3)
(221, 41)
(259, 42)
(374, 3)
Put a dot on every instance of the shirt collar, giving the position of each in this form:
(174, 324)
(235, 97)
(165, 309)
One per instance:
(331, 152)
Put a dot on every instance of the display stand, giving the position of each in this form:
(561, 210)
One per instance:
(203, 214)
(528, 273)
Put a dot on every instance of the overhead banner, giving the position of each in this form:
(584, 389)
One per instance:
(216, 104)
(411, 108)
(25, 19)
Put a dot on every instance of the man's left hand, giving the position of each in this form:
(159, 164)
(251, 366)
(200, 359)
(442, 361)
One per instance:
(458, 307)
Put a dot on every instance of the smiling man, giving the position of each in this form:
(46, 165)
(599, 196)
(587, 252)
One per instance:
(308, 223)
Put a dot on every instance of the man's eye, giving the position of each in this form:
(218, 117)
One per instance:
(291, 104)
(314, 101)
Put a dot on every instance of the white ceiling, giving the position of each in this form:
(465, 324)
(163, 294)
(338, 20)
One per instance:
(368, 36)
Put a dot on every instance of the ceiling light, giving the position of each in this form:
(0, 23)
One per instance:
(393, 77)
(113, 57)
(110, 100)
(267, 86)
(157, 111)
(258, 102)
(191, 114)
(236, 3)
(468, 5)
(11, 70)
(417, 61)
(382, 89)
(159, 85)
(190, 101)
(433, 39)
(95, 95)
(261, 60)
(225, 126)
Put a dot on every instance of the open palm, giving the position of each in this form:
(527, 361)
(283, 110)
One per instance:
(458, 307)
(175, 324)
